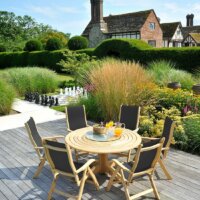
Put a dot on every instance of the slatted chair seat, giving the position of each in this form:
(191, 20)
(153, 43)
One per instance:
(143, 164)
(59, 156)
(167, 133)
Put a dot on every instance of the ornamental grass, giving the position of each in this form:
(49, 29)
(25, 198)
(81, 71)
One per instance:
(119, 82)
(7, 95)
(31, 79)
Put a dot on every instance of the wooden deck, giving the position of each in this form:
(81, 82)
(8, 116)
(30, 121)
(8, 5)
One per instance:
(18, 162)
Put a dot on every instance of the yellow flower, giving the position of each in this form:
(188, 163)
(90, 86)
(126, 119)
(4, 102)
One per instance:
(111, 123)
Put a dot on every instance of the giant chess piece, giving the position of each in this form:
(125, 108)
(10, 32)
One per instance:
(46, 100)
(30, 97)
(50, 101)
(56, 104)
(37, 98)
(42, 99)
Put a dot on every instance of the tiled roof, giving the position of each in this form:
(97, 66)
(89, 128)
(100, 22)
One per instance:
(190, 29)
(196, 37)
(169, 29)
(123, 23)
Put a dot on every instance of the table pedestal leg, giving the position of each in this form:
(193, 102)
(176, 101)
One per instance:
(103, 165)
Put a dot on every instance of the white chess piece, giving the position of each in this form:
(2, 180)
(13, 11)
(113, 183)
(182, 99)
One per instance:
(70, 92)
(66, 91)
(61, 91)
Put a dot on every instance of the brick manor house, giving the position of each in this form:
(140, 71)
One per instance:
(144, 25)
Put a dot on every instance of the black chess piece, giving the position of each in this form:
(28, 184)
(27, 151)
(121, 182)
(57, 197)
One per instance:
(53, 100)
(30, 97)
(50, 102)
(56, 103)
(37, 98)
(42, 99)
(46, 100)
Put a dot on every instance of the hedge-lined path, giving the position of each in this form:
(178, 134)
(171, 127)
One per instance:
(18, 162)
(26, 110)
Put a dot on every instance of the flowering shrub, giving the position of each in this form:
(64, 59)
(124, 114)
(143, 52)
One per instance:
(183, 100)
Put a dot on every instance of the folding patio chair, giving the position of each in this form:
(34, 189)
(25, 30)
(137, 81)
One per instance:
(168, 131)
(76, 119)
(36, 141)
(59, 156)
(129, 115)
(144, 163)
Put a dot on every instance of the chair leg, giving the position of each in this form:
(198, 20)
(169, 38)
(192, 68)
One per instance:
(155, 191)
(164, 169)
(125, 185)
(129, 156)
(76, 155)
(82, 185)
(39, 169)
(53, 185)
(93, 178)
(110, 183)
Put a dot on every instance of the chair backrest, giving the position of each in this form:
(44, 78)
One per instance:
(33, 133)
(59, 156)
(147, 155)
(76, 117)
(129, 115)
(168, 131)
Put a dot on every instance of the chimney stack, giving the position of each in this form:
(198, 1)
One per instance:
(96, 11)
(190, 19)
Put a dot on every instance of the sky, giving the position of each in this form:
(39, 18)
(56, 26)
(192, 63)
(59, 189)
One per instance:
(72, 16)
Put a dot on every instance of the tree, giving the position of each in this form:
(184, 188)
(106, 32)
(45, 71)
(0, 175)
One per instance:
(17, 30)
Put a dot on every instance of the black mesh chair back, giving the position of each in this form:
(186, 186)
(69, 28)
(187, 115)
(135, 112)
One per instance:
(58, 154)
(76, 117)
(34, 132)
(146, 158)
(129, 115)
(168, 130)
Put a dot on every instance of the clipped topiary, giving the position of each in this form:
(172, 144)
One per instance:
(53, 44)
(33, 45)
(78, 42)
(121, 48)
(2, 48)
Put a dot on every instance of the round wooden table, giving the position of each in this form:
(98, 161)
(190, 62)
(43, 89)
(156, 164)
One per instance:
(78, 140)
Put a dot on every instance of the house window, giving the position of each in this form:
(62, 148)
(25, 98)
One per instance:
(178, 32)
(152, 43)
(152, 26)
(134, 35)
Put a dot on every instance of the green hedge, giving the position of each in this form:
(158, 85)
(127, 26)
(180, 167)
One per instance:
(88, 51)
(121, 48)
(40, 58)
(186, 58)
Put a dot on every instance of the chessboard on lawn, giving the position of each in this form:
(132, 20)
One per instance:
(69, 95)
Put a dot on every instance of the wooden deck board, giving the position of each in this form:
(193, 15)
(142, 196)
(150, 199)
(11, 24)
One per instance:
(18, 162)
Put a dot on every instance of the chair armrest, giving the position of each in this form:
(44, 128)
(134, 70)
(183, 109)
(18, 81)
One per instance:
(120, 165)
(85, 166)
(54, 138)
(149, 138)
(38, 147)
(165, 148)
(136, 130)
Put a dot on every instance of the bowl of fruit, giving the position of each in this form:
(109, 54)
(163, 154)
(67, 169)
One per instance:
(99, 129)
